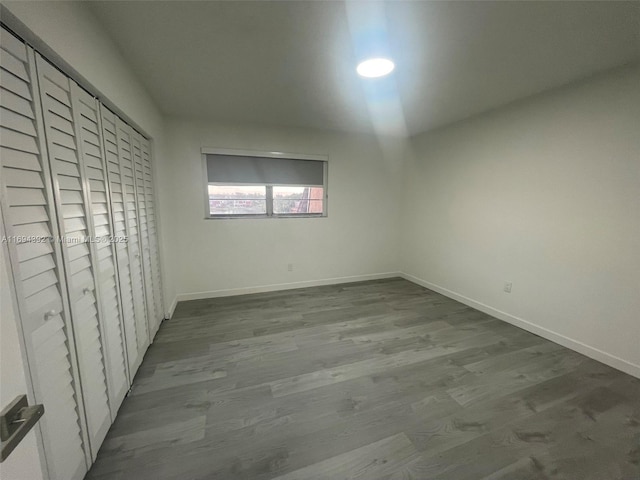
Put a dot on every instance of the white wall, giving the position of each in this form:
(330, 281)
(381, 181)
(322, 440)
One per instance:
(544, 194)
(71, 31)
(358, 239)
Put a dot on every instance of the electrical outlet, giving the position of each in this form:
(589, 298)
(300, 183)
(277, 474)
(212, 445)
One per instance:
(507, 287)
(290, 267)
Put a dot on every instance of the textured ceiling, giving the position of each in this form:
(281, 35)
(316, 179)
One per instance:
(293, 63)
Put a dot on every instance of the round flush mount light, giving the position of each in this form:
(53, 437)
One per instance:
(375, 67)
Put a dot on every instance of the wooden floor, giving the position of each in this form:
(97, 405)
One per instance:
(373, 380)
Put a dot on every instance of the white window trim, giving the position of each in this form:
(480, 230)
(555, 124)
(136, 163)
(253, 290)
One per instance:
(268, 154)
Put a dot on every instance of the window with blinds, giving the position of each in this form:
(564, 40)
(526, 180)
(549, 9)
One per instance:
(249, 184)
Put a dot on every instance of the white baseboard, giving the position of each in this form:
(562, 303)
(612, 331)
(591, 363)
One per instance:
(589, 351)
(281, 286)
(172, 307)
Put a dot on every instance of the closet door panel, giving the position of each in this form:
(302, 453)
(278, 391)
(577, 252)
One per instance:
(74, 223)
(93, 161)
(153, 231)
(110, 144)
(144, 232)
(36, 263)
(131, 218)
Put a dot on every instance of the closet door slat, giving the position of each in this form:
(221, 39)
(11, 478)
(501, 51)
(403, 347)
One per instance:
(93, 161)
(131, 219)
(153, 231)
(120, 229)
(74, 223)
(138, 165)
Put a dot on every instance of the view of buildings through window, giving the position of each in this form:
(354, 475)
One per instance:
(292, 200)
(252, 200)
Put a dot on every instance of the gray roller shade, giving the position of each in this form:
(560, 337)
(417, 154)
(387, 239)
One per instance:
(263, 170)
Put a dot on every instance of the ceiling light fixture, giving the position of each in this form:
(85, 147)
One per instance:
(375, 67)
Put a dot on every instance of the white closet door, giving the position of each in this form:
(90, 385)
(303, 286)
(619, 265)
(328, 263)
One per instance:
(110, 139)
(127, 172)
(74, 222)
(87, 118)
(27, 207)
(144, 231)
(153, 232)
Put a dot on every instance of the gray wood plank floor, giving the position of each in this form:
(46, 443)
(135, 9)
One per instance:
(372, 380)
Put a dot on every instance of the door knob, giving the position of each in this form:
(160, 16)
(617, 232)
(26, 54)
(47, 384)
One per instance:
(15, 422)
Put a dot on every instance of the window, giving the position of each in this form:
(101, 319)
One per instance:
(237, 199)
(295, 200)
(248, 184)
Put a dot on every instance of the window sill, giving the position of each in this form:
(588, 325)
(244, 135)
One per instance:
(254, 217)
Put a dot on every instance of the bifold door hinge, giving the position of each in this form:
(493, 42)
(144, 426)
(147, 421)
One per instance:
(15, 422)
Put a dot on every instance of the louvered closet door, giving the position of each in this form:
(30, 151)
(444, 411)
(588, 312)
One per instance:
(74, 222)
(143, 231)
(87, 119)
(27, 208)
(125, 151)
(153, 232)
(110, 140)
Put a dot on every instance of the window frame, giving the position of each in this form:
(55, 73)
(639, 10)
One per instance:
(269, 187)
